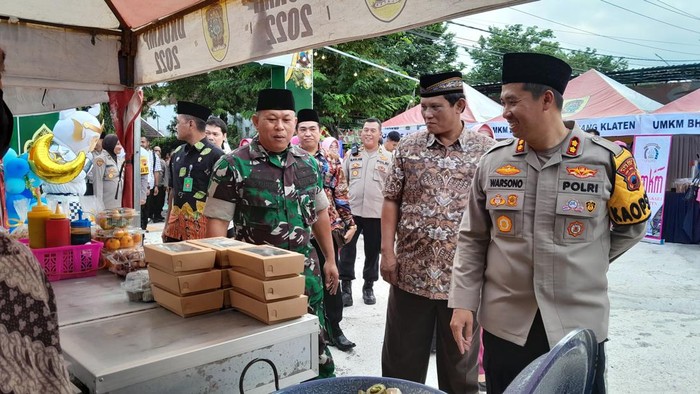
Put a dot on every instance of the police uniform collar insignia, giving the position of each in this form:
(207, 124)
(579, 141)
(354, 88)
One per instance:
(573, 148)
(508, 170)
(520, 146)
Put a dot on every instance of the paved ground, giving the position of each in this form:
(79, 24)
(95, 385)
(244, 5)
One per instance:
(654, 322)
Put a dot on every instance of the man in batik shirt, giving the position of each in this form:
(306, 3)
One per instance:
(273, 193)
(191, 165)
(336, 187)
(424, 199)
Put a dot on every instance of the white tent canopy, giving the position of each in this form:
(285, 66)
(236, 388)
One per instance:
(61, 54)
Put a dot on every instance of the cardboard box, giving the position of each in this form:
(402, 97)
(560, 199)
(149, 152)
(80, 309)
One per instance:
(191, 305)
(180, 257)
(271, 312)
(225, 278)
(227, 297)
(267, 290)
(265, 261)
(221, 245)
(185, 284)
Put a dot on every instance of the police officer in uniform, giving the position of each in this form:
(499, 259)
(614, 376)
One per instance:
(366, 171)
(548, 211)
(106, 173)
(274, 194)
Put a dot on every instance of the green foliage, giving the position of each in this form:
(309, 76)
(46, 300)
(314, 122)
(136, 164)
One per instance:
(517, 38)
(166, 144)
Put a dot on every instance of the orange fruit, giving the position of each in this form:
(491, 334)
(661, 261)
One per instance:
(136, 238)
(112, 244)
(126, 241)
(119, 234)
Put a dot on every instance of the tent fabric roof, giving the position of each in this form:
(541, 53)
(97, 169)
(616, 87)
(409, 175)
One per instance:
(594, 95)
(479, 109)
(99, 14)
(688, 103)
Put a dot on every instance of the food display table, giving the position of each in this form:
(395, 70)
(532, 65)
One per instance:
(113, 345)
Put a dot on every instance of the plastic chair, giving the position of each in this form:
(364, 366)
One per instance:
(568, 368)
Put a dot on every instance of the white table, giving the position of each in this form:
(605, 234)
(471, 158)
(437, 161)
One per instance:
(113, 345)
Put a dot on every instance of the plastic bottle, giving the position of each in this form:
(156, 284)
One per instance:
(80, 231)
(37, 224)
(57, 229)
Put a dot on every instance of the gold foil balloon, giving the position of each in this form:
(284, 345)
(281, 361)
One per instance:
(53, 167)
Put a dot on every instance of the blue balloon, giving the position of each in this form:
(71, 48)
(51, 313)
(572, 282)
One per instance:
(16, 168)
(11, 154)
(15, 185)
(27, 193)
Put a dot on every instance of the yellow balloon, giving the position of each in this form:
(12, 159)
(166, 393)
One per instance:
(49, 170)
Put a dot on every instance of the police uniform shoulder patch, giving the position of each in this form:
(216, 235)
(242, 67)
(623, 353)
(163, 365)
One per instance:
(628, 203)
(99, 162)
(500, 144)
(611, 146)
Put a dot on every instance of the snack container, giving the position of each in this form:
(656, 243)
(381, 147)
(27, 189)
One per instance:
(221, 245)
(179, 258)
(271, 312)
(183, 285)
(110, 219)
(266, 262)
(267, 290)
(191, 305)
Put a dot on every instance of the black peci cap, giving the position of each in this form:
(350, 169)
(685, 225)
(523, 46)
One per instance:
(442, 83)
(192, 109)
(536, 68)
(281, 99)
(307, 115)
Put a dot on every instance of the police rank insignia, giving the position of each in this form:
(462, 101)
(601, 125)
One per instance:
(628, 170)
(581, 172)
(574, 144)
(590, 206)
(497, 200)
(520, 147)
(575, 228)
(508, 170)
(512, 200)
(504, 223)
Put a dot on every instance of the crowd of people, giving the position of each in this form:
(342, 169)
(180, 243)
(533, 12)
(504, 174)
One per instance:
(507, 241)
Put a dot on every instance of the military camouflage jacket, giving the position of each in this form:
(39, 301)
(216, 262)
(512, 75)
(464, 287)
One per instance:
(271, 198)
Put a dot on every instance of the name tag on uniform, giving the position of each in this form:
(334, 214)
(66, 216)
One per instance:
(187, 185)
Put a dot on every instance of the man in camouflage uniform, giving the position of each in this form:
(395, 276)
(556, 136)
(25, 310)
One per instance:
(274, 194)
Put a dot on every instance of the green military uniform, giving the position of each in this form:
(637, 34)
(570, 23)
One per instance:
(274, 199)
(106, 180)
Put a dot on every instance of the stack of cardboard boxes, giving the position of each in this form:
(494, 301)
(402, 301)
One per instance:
(221, 246)
(267, 284)
(183, 279)
(200, 276)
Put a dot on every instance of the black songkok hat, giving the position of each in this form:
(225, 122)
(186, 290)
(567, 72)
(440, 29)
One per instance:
(192, 109)
(307, 115)
(442, 83)
(281, 99)
(536, 68)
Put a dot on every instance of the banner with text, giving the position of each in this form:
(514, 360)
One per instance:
(618, 126)
(232, 32)
(652, 154)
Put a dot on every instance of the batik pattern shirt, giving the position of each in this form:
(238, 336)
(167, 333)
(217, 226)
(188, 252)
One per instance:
(186, 220)
(430, 181)
(335, 184)
(30, 353)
